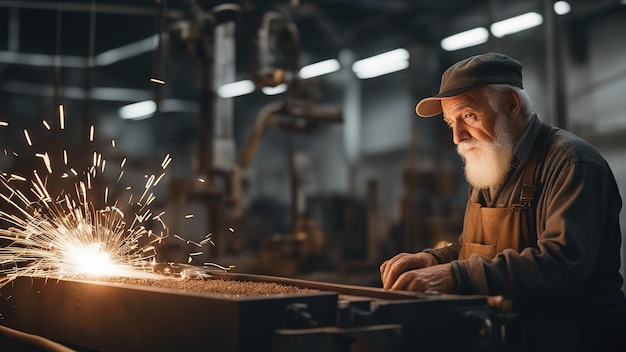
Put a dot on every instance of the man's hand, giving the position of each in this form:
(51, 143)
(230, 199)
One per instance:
(433, 279)
(401, 263)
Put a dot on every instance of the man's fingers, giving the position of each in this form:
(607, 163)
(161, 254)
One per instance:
(388, 266)
(395, 268)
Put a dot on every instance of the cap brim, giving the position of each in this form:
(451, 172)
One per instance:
(429, 107)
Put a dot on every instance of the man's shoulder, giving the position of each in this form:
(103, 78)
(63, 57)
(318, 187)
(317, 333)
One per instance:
(574, 148)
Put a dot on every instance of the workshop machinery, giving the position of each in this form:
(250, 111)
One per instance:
(106, 316)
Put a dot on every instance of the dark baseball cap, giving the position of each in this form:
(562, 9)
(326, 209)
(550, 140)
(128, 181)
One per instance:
(471, 73)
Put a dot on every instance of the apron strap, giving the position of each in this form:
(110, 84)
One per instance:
(539, 149)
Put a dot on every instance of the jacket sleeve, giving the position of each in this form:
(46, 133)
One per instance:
(577, 224)
(445, 254)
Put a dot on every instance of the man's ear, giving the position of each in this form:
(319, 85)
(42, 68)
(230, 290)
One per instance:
(513, 103)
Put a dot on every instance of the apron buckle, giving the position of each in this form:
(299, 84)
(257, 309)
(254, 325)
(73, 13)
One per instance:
(526, 195)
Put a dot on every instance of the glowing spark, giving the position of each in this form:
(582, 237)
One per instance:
(104, 162)
(219, 266)
(120, 176)
(106, 195)
(151, 199)
(95, 159)
(46, 125)
(65, 175)
(91, 131)
(157, 81)
(46, 160)
(166, 161)
(180, 238)
(64, 157)
(16, 177)
(231, 229)
(123, 163)
(201, 180)
(188, 216)
(159, 179)
(113, 143)
(28, 138)
(61, 117)
(4, 123)
(195, 254)
(74, 171)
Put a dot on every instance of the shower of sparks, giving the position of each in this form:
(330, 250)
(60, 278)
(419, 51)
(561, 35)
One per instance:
(66, 235)
(157, 81)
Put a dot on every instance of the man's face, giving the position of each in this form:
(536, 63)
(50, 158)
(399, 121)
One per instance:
(482, 136)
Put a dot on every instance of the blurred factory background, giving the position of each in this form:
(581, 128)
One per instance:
(286, 146)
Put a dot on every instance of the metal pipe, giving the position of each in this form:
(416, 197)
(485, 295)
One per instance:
(78, 7)
(41, 343)
(265, 117)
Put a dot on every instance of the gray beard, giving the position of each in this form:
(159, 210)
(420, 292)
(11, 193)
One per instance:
(487, 163)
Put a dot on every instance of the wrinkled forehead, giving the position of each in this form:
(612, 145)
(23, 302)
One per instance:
(473, 100)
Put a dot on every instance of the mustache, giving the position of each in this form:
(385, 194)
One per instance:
(463, 147)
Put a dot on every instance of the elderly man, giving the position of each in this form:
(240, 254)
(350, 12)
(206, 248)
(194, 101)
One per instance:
(541, 225)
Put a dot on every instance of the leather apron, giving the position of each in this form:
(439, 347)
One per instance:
(488, 231)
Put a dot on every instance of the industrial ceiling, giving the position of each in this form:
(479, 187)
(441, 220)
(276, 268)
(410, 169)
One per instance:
(56, 52)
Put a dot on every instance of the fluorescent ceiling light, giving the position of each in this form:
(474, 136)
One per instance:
(11, 57)
(381, 64)
(281, 88)
(465, 39)
(138, 111)
(236, 89)
(319, 68)
(516, 24)
(103, 59)
(145, 109)
(127, 51)
(383, 69)
(562, 7)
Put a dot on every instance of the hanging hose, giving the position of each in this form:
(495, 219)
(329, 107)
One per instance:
(31, 340)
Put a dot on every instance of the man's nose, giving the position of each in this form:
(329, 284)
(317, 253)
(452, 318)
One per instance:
(459, 133)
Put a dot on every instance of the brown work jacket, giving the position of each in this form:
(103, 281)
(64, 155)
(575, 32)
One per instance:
(559, 256)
